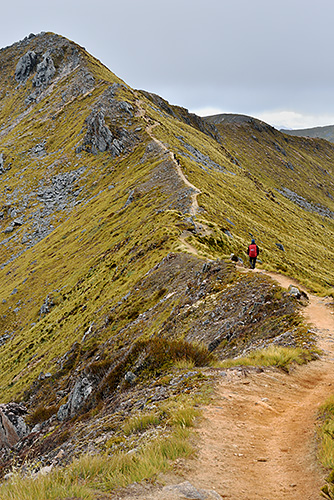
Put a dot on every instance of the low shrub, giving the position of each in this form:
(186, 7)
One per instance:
(41, 413)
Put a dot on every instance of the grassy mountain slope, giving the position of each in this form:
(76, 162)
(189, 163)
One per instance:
(291, 182)
(105, 190)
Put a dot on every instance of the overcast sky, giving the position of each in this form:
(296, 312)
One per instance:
(265, 58)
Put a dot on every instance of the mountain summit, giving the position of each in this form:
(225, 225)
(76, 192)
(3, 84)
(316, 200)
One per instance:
(119, 215)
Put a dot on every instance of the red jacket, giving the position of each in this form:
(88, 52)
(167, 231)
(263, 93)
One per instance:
(253, 247)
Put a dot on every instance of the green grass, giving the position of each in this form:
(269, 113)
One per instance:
(326, 433)
(141, 422)
(280, 357)
(326, 443)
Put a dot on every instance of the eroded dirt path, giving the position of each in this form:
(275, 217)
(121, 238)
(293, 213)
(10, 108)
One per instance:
(258, 440)
(150, 125)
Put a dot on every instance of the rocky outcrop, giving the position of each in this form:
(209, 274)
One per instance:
(98, 137)
(26, 66)
(82, 389)
(12, 424)
(2, 162)
(45, 72)
(107, 126)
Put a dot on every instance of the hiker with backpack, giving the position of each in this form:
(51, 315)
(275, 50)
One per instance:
(253, 251)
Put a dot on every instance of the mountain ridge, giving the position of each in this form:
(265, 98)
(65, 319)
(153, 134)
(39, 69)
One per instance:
(325, 132)
(105, 190)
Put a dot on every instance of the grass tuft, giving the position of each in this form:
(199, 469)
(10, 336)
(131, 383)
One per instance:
(280, 357)
(140, 423)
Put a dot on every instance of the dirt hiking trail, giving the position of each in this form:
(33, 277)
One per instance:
(150, 126)
(258, 439)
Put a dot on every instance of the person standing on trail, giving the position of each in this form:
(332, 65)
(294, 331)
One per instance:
(253, 251)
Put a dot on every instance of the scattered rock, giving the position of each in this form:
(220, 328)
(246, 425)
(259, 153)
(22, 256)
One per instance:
(187, 491)
(130, 199)
(39, 149)
(289, 165)
(206, 267)
(130, 377)
(280, 246)
(46, 306)
(227, 232)
(234, 258)
(295, 292)
(2, 162)
(18, 222)
(44, 471)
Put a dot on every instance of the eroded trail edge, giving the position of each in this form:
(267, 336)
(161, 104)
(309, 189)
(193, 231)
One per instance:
(258, 440)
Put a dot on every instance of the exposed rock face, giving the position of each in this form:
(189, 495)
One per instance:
(82, 389)
(12, 424)
(98, 135)
(2, 161)
(107, 126)
(45, 72)
(26, 66)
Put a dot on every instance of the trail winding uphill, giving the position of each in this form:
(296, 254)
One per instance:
(151, 125)
(258, 440)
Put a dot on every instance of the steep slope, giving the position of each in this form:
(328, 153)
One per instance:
(326, 132)
(291, 182)
(104, 191)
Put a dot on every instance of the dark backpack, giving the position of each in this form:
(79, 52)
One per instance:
(252, 251)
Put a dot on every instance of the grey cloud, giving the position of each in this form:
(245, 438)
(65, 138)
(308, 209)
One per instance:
(237, 55)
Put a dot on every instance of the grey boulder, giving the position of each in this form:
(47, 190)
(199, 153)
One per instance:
(45, 72)
(25, 66)
(81, 391)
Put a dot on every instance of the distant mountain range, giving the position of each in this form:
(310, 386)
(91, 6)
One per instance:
(326, 132)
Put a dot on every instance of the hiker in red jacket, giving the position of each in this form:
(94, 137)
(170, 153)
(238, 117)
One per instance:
(253, 251)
